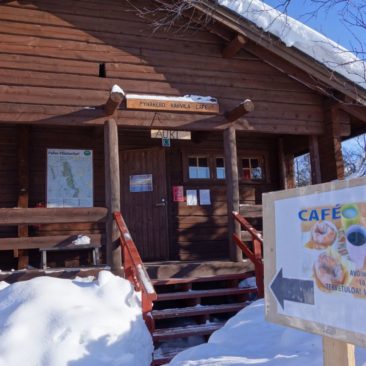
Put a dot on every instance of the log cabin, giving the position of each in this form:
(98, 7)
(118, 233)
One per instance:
(209, 114)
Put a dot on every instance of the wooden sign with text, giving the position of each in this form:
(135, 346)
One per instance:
(171, 104)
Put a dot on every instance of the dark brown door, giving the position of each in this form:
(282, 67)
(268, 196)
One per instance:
(144, 201)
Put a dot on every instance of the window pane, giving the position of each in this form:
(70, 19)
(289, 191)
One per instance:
(203, 173)
(202, 162)
(254, 163)
(220, 173)
(245, 163)
(220, 162)
(192, 172)
(192, 162)
(246, 174)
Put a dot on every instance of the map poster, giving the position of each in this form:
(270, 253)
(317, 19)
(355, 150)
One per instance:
(69, 178)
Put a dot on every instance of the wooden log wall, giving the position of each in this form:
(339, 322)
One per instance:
(52, 54)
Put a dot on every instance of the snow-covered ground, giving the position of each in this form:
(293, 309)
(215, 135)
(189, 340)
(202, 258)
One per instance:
(57, 322)
(247, 339)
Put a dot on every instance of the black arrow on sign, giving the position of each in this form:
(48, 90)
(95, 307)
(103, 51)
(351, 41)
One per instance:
(292, 290)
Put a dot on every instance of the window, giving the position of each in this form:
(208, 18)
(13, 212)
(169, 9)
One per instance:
(252, 169)
(220, 168)
(198, 167)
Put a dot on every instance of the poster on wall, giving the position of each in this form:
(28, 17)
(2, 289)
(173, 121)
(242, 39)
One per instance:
(205, 197)
(69, 178)
(178, 194)
(192, 197)
(141, 183)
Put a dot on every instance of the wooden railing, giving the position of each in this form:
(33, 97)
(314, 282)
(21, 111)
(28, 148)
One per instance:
(135, 271)
(256, 255)
(35, 216)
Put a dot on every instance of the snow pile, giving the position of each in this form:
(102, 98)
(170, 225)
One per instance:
(296, 34)
(247, 339)
(186, 98)
(56, 322)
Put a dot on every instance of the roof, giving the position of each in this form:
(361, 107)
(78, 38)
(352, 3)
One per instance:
(301, 46)
(294, 33)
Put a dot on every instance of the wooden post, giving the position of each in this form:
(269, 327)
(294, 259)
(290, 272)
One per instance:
(330, 149)
(116, 97)
(232, 190)
(23, 189)
(282, 163)
(338, 353)
(112, 194)
(234, 46)
(314, 160)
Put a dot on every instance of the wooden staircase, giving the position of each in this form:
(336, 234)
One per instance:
(183, 312)
(188, 310)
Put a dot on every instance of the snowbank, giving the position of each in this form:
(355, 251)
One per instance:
(56, 322)
(296, 34)
(247, 339)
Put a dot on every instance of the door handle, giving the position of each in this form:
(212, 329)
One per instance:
(161, 204)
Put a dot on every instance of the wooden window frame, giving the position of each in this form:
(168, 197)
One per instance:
(262, 156)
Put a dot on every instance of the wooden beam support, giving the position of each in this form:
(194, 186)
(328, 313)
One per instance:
(314, 160)
(232, 190)
(234, 46)
(338, 353)
(241, 110)
(23, 189)
(115, 99)
(330, 149)
(356, 111)
(112, 194)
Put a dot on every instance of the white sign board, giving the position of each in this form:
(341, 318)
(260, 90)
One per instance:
(315, 251)
(69, 178)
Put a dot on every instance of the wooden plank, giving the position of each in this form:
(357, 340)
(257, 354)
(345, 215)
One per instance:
(242, 109)
(45, 241)
(30, 216)
(232, 181)
(112, 194)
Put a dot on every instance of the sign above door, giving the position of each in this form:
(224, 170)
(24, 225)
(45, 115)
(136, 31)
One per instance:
(187, 103)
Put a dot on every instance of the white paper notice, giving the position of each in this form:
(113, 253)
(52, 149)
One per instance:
(191, 197)
(205, 198)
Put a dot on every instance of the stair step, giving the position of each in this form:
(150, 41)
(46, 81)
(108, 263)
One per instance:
(197, 310)
(205, 293)
(226, 277)
(187, 331)
(163, 357)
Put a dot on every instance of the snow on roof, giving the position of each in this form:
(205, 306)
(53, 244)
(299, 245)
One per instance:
(57, 322)
(186, 98)
(296, 34)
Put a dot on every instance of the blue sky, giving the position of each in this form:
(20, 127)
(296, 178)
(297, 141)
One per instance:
(327, 21)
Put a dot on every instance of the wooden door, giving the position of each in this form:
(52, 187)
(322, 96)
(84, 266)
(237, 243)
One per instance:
(144, 201)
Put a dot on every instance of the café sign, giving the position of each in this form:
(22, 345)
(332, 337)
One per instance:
(315, 251)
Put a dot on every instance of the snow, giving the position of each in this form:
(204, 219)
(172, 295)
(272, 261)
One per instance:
(81, 240)
(296, 34)
(186, 98)
(117, 89)
(57, 322)
(247, 339)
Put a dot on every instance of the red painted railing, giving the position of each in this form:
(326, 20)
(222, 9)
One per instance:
(256, 255)
(135, 271)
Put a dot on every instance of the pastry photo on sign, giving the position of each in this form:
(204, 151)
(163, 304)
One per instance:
(334, 241)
